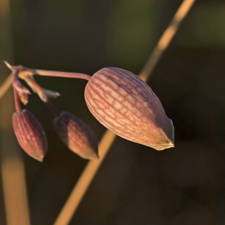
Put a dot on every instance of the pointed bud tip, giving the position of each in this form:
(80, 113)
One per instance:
(163, 145)
(40, 158)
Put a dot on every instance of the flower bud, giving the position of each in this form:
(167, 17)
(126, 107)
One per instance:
(30, 134)
(76, 135)
(126, 105)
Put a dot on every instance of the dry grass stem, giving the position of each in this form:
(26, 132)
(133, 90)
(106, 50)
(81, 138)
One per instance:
(85, 179)
(6, 85)
(165, 39)
(12, 166)
(15, 194)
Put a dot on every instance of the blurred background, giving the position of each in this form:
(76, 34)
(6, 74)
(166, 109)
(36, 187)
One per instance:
(135, 184)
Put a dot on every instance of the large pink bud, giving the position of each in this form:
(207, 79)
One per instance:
(77, 135)
(126, 105)
(30, 134)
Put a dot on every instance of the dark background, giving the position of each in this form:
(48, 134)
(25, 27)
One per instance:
(135, 184)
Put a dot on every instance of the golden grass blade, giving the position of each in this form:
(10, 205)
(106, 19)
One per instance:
(14, 187)
(165, 39)
(12, 167)
(85, 179)
(6, 85)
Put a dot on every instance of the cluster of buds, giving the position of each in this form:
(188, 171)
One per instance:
(117, 98)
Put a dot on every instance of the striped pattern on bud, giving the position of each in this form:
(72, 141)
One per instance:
(76, 135)
(126, 105)
(30, 134)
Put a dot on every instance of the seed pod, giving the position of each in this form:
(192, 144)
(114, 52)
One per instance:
(76, 135)
(30, 134)
(126, 105)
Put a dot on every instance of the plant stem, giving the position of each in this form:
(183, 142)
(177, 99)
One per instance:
(17, 100)
(52, 108)
(51, 73)
(6, 84)
(84, 181)
(42, 94)
(18, 86)
(165, 39)
(36, 88)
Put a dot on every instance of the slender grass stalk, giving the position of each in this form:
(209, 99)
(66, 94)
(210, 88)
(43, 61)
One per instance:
(85, 180)
(165, 39)
(12, 166)
(6, 85)
(92, 167)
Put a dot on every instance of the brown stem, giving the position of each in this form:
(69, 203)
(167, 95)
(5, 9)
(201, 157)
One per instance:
(6, 84)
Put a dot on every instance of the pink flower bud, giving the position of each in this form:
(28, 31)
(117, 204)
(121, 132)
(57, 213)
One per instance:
(30, 134)
(76, 135)
(126, 105)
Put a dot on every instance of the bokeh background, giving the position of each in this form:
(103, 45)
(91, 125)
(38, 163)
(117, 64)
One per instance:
(135, 184)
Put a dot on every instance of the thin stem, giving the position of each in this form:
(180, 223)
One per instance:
(6, 85)
(13, 176)
(52, 108)
(17, 100)
(83, 183)
(36, 88)
(51, 73)
(18, 86)
(166, 39)
(91, 169)
(62, 74)
(42, 94)
(24, 71)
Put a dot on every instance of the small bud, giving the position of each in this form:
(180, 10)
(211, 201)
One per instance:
(30, 134)
(126, 105)
(76, 135)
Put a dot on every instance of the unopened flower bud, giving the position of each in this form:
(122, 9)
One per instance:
(77, 135)
(30, 134)
(126, 105)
